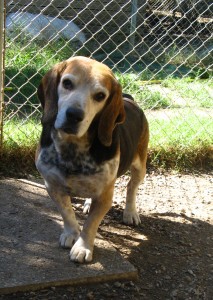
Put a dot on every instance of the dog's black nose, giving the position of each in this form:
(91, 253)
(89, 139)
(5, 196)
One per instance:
(74, 115)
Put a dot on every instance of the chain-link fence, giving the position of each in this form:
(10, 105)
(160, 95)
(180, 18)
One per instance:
(161, 52)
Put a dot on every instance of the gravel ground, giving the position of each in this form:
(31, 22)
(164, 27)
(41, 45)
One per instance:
(172, 248)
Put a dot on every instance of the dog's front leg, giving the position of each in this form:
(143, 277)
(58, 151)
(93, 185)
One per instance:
(71, 227)
(82, 251)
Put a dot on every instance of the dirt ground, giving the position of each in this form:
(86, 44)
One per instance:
(172, 248)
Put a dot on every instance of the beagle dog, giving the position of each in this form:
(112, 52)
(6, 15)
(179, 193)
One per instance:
(91, 135)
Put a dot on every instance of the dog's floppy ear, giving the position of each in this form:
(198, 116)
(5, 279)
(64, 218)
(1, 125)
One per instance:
(48, 92)
(113, 114)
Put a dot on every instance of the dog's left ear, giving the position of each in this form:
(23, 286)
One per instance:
(48, 92)
(113, 114)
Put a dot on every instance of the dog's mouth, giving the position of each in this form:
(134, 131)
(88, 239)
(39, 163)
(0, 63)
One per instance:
(69, 130)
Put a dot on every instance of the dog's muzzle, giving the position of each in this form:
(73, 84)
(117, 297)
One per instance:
(73, 116)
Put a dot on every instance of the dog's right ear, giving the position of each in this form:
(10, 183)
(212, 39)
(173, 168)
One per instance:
(48, 92)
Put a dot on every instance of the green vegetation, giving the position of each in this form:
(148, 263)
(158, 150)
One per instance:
(25, 65)
(196, 92)
(132, 84)
(24, 133)
(182, 140)
(180, 135)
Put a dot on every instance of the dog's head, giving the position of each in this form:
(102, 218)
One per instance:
(75, 91)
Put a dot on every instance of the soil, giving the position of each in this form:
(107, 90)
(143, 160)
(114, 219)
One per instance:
(172, 248)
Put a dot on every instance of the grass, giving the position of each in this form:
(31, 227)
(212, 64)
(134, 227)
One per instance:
(27, 61)
(175, 143)
(25, 64)
(21, 132)
(19, 146)
(197, 93)
(183, 132)
(131, 84)
(194, 93)
(181, 142)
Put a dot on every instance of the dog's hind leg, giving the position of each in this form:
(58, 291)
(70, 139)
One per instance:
(138, 172)
(87, 205)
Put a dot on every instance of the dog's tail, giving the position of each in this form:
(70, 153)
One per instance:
(124, 95)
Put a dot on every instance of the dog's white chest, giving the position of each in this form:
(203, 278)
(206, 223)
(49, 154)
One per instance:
(80, 176)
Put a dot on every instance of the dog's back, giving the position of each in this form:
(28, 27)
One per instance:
(131, 132)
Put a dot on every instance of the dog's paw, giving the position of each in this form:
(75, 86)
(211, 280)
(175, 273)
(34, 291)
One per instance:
(80, 252)
(67, 239)
(131, 217)
(87, 205)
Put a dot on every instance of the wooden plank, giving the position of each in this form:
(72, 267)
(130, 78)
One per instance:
(70, 12)
(79, 5)
(64, 3)
(49, 9)
(75, 5)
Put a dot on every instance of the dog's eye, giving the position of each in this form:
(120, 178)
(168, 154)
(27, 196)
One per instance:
(99, 97)
(67, 84)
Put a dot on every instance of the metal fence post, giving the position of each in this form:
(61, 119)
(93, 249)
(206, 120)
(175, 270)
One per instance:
(133, 23)
(2, 50)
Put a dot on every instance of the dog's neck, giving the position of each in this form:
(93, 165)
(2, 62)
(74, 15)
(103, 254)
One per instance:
(73, 154)
(68, 145)
(70, 148)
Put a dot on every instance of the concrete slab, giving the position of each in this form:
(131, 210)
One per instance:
(30, 257)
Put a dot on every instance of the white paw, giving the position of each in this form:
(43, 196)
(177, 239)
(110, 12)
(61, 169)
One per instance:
(131, 217)
(87, 205)
(67, 239)
(80, 253)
